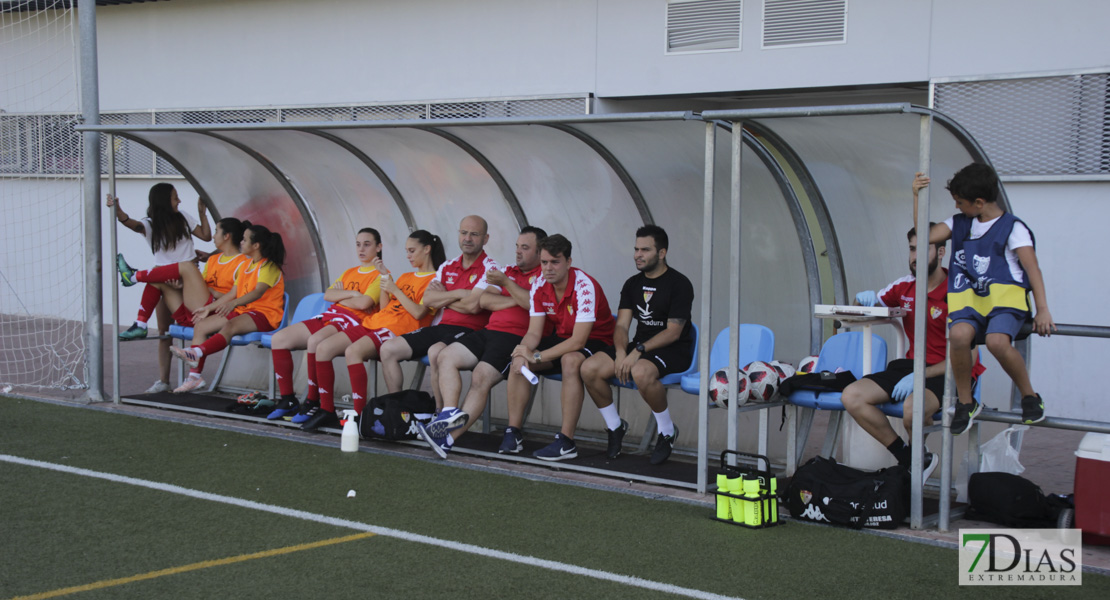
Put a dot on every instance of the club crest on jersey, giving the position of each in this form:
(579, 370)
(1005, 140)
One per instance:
(570, 310)
(982, 263)
(532, 280)
(473, 277)
(647, 296)
(935, 312)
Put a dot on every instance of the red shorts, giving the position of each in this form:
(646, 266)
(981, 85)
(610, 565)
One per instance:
(261, 323)
(184, 317)
(336, 316)
(378, 336)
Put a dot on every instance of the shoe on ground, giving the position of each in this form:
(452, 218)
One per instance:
(158, 387)
(440, 444)
(663, 446)
(190, 384)
(284, 408)
(249, 398)
(513, 442)
(186, 354)
(306, 411)
(1032, 409)
(963, 416)
(929, 464)
(134, 332)
(320, 418)
(448, 420)
(563, 448)
(126, 273)
(616, 439)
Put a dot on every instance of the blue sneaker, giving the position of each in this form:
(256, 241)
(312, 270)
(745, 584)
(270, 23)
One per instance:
(126, 273)
(513, 442)
(448, 420)
(562, 448)
(441, 445)
(284, 408)
(307, 411)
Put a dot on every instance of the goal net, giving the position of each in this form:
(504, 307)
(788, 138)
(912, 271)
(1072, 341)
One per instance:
(42, 283)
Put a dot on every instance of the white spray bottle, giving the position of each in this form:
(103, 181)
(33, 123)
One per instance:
(349, 441)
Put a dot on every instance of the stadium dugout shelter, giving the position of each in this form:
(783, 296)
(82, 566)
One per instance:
(769, 211)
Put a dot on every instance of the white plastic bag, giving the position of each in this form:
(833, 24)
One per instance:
(999, 455)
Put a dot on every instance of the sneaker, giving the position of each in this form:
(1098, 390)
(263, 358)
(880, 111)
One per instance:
(512, 443)
(663, 446)
(931, 461)
(306, 411)
(963, 416)
(188, 355)
(134, 332)
(616, 439)
(448, 420)
(441, 445)
(1032, 409)
(320, 418)
(284, 408)
(158, 387)
(562, 448)
(126, 273)
(190, 384)
(249, 398)
(264, 407)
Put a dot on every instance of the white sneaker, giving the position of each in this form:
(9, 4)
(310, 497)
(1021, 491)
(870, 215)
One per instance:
(158, 387)
(191, 383)
(930, 463)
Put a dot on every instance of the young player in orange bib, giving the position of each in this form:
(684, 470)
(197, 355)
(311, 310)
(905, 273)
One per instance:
(184, 289)
(354, 297)
(402, 312)
(256, 303)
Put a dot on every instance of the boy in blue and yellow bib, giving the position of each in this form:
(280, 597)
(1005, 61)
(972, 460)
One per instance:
(992, 270)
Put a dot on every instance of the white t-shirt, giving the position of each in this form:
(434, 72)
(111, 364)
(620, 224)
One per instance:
(183, 251)
(1019, 238)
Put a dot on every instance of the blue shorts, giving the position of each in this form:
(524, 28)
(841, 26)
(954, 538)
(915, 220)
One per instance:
(1004, 321)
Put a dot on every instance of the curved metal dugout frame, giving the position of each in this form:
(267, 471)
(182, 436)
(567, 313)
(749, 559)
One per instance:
(615, 164)
(193, 181)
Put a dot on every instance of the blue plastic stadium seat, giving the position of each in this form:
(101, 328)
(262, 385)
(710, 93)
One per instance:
(309, 306)
(841, 351)
(673, 378)
(756, 343)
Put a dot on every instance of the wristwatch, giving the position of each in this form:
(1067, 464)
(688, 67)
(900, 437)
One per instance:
(536, 356)
(640, 348)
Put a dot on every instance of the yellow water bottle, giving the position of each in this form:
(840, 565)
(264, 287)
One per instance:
(736, 488)
(753, 514)
(724, 508)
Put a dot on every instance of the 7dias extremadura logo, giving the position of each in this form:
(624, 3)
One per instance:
(1021, 557)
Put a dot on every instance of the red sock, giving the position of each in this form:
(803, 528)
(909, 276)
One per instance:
(325, 381)
(359, 383)
(313, 393)
(214, 344)
(200, 365)
(283, 369)
(159, 274)
(151, 296)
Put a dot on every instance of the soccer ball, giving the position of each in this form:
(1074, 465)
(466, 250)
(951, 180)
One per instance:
(807, 364)
(764, 380)
(785, 370)
(718, 388)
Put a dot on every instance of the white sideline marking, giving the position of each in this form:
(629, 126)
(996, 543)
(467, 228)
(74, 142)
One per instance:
(383, 531)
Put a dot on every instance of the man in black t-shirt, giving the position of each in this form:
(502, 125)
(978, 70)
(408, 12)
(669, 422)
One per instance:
(660, 299)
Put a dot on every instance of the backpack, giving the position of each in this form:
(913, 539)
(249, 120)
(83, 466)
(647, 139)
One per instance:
(1013, 501)
(394, 416)
(827, 492)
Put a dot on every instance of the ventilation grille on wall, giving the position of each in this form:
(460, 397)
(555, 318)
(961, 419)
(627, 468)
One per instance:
(804, 22)
(701, 25)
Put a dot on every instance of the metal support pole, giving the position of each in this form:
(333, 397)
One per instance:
(90, 110)
(921, 312)
(115, 270)
(734, 285)
(706, 297)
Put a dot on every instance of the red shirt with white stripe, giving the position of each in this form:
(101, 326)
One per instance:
(514, 319)
(455, 277)
(583, 301)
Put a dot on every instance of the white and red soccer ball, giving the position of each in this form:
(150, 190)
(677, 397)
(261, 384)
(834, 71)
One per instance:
(764, 380)
(785, 369)
(807, 364)
(718, 388)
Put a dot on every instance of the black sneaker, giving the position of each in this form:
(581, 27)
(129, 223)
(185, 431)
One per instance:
(305, 412)
(1032, 409)
(320, 418)
(963, 416)
(616, 439)
(513, 442)
(563, 448)
(286, 407)
(663, 446)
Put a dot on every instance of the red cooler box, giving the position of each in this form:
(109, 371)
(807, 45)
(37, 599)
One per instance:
(1092, 488)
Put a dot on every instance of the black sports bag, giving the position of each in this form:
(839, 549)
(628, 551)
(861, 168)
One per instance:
(394, 416)
(826, 492)
(1013, 501)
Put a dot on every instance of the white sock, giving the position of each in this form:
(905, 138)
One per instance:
(664, 422)
(197, 349)
(141, 324)
(611, 416)
(194, 375)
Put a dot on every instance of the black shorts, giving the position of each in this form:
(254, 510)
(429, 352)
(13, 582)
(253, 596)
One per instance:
(426, 337)
(592, 347)
(494, 348)
(674, 358)
(899, 368)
